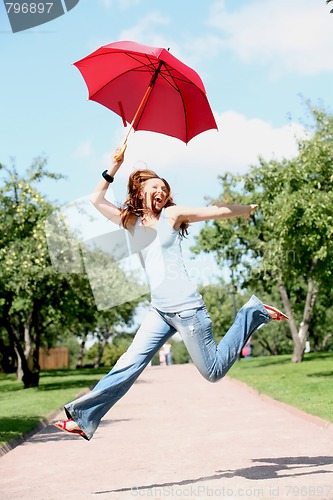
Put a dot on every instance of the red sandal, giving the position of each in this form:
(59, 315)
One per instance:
(279, 315)
(62, 425)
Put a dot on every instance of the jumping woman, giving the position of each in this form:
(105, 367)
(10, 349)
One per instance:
(176, 304)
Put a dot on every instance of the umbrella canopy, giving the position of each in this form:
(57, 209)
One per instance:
(149, 88)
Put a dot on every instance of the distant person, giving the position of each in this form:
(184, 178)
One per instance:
(168, 353)
(162, 356)
(176, 304)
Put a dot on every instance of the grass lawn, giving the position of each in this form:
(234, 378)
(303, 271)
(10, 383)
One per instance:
(307, 385)
(22, 409)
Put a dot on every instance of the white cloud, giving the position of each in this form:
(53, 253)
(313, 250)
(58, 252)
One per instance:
(237, 145)
(192, 170)
(292, 36)
(147, 30)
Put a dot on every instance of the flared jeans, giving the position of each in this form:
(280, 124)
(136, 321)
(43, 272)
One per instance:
(195, 327)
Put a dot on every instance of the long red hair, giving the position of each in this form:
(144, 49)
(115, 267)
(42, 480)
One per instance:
(134, 204)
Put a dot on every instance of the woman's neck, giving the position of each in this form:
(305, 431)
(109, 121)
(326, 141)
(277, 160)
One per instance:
(149, 218)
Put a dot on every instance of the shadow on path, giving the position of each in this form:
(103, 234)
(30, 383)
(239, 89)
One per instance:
(270, 470)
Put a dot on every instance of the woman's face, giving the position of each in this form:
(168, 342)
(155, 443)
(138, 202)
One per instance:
(155, 194)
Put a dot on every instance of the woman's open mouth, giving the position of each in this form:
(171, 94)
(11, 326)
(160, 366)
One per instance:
(158, 200)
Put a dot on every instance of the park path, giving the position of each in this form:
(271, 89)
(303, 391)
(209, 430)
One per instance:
(174, 435)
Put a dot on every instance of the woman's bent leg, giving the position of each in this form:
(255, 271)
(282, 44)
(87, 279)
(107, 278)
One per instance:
(88, 410)
(213, 361)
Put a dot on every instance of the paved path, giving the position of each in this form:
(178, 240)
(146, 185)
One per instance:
(174, 435)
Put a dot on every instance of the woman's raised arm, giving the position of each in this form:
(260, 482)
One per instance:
(105, 207)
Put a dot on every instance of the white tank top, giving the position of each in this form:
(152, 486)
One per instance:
(170, 286)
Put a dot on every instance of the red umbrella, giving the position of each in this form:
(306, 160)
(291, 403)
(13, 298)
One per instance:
(149, 88)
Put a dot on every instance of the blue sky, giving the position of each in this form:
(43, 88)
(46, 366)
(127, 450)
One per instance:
(255, 57)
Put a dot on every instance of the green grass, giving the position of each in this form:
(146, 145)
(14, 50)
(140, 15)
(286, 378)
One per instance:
(307, 385)
(22, 409)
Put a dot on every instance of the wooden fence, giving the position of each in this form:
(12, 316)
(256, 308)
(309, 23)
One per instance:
(54, 358)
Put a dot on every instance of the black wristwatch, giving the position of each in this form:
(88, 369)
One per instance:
(107, 177)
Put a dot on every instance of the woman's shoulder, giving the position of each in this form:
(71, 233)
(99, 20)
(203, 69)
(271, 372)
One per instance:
(170, 211)
(171, 214)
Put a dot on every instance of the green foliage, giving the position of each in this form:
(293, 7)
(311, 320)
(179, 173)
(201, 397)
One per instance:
(219, 302)
(288, 239)
(39, 305)
(71, 342)
(295, 199)
(180, 354)
(30, 290)
(112, 351)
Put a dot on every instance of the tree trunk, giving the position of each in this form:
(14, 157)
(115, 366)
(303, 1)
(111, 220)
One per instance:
(325, 341)
(292, 322)
(265, 344)
(310, 300)
(36, 326)
(299, 335)
(27, 338)
(28, 377)
(81, 353)
(19, 370)
(8, 358)
(100, 353)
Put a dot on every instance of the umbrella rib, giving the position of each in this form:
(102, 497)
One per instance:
(149, 69)
(139, 70)
(174, 85)
(174, 79)
(128, 54)
(181, 96)
(150, 66)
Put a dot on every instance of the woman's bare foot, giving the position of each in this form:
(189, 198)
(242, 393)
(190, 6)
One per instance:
(275, 314)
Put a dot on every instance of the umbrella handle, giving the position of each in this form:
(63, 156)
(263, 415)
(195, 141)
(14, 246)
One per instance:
(121, 152)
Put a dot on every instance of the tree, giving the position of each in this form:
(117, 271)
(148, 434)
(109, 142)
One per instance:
(109, 325)
(219, 303)
(25, 270)
(287, 241)
(113, 350)
(38, 304)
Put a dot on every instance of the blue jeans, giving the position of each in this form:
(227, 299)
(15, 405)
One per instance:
(194, 325)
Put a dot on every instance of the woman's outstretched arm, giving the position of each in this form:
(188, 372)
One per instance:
(106, 208)
(180, 214)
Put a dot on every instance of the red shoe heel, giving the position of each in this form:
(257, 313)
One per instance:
(279, 315)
